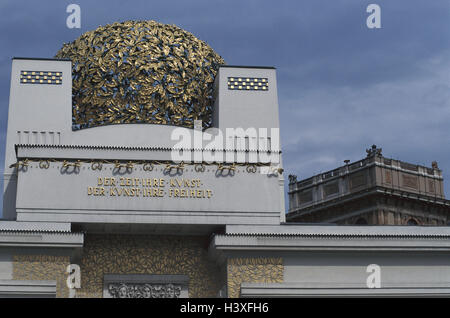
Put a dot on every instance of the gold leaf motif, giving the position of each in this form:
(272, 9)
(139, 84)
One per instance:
(42, 267)
(145, 254)
(256, 270)
(131, 65)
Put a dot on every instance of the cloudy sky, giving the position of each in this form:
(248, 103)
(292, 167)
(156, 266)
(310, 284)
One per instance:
(342, 86)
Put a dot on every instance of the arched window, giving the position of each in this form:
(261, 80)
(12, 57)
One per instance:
(412, 222)
(361, 221)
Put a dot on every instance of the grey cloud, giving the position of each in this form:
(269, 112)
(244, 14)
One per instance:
(408, 119)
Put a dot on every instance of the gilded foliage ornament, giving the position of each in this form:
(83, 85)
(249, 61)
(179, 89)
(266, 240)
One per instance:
(141, 72)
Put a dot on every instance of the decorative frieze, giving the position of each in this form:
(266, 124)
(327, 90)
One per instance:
(148, 165)
(132, 290)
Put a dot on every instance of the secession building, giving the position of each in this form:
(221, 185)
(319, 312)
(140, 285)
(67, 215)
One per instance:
(115, 165)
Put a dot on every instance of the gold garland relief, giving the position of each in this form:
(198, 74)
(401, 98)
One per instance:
(129, 166)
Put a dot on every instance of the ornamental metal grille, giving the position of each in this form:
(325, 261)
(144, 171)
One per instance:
(141, 72)
(248, 83)
(40, 77)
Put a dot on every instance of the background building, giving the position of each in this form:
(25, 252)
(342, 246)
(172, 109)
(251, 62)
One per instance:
(374, 191)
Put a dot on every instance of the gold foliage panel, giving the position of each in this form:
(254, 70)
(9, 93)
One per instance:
(145, 254)
(43, 267)
(253, 270)
(141, 72)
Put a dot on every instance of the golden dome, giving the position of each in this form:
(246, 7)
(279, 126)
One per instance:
(141, 72)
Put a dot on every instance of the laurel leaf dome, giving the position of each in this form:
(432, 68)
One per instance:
(141, 72)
